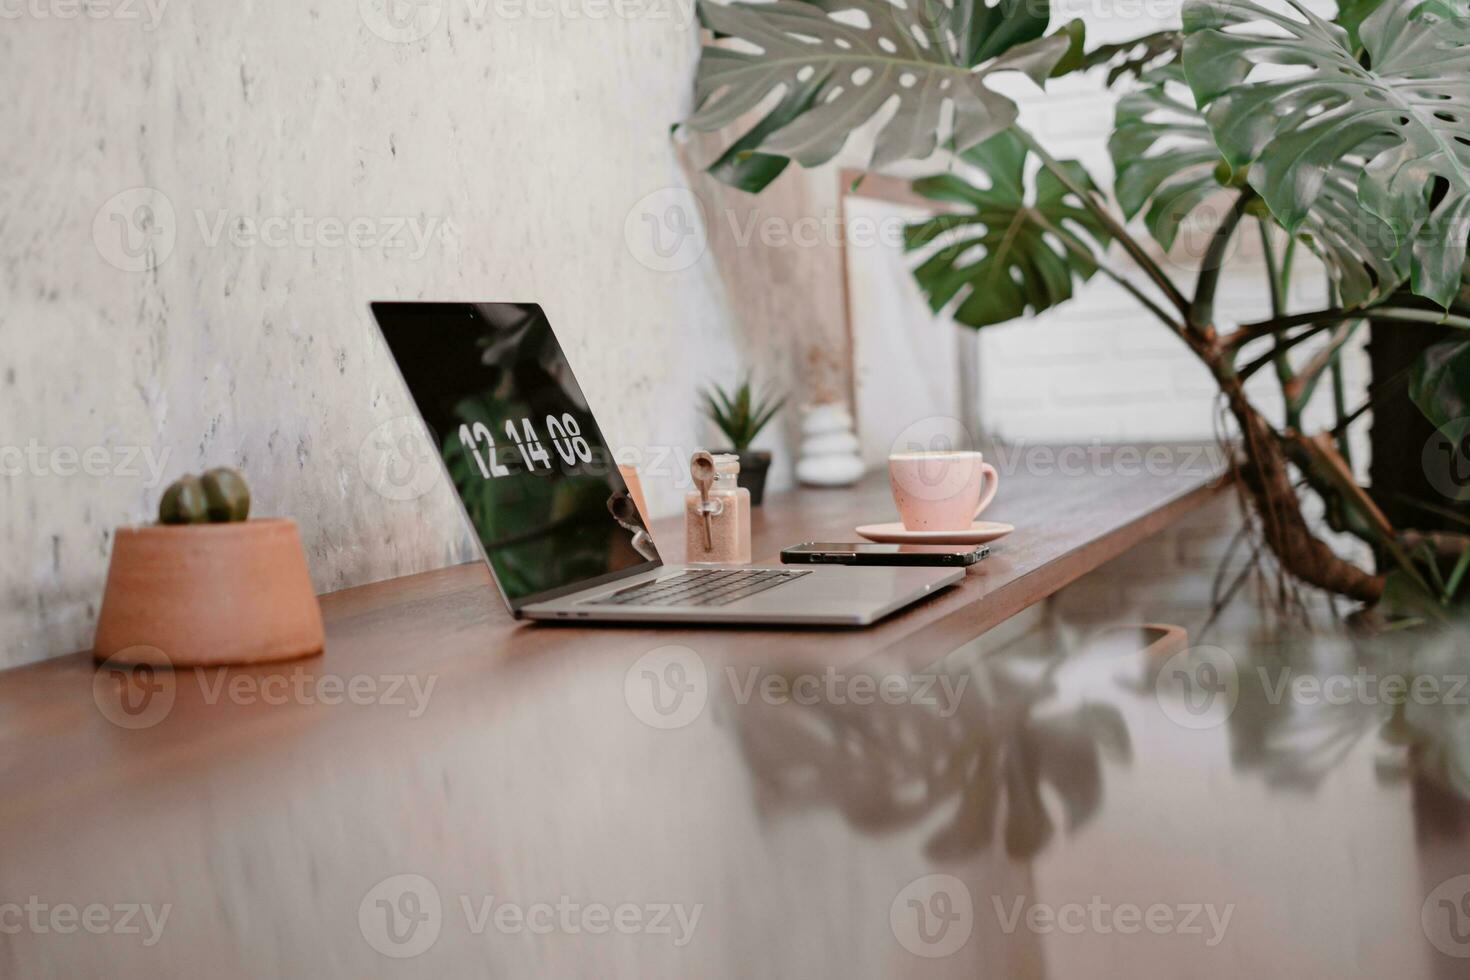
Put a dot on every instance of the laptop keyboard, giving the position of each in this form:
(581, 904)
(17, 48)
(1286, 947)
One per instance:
(701, 587)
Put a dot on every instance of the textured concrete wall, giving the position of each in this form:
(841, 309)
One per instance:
(197, 202)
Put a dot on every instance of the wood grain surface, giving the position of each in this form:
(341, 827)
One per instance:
(561, 774)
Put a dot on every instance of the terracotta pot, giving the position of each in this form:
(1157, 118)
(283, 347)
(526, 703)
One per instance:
(208, 594)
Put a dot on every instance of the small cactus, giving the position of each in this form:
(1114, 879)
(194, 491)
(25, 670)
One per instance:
(218, 497)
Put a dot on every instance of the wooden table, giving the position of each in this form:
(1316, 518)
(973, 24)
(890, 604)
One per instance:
(446, 793)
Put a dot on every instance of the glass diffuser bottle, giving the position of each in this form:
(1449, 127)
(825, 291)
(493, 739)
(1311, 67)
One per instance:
(717, 521)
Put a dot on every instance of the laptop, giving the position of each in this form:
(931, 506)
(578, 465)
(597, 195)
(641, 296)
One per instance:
(551, 511)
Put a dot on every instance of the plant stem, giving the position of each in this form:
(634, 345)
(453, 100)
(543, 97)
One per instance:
(1339, 408)
(1081, 251)
(1304, 382)
(1092, 201)
(1275, 274)
(1202, 310)
(1388, 314)
(1277, 277)
(1339, 388)
(1375, 393)
(1282, 346)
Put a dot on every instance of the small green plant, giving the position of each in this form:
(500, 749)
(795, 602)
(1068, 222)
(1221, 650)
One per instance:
(218, 497)
(740, 415)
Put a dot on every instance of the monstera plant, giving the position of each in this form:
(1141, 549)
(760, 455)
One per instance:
(1348, 136)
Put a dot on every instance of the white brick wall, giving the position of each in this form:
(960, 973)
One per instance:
(1101, 366)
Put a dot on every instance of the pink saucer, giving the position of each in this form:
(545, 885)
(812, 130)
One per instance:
(895, 533)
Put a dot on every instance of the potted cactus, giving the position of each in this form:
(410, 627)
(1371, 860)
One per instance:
(206, 585)
(741, 415)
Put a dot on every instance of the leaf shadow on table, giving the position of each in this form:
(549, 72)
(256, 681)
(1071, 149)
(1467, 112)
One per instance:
(1307, 703)
(987, 741)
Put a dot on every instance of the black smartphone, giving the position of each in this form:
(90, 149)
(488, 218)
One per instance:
(813, 553)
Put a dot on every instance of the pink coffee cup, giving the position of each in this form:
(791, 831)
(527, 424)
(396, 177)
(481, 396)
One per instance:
(941, 491)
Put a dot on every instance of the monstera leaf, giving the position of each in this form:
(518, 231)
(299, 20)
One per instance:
(1005, 253)
(1351, 14)
(1403, 118)
(1135, 58)
(1440, 382)
(838, 62)
(1162, 152)
(1165, 157)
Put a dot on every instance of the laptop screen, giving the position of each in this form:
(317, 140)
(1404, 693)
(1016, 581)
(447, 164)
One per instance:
(537, 480)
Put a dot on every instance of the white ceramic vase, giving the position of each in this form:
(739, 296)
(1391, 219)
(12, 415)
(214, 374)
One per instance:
(829, 447)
